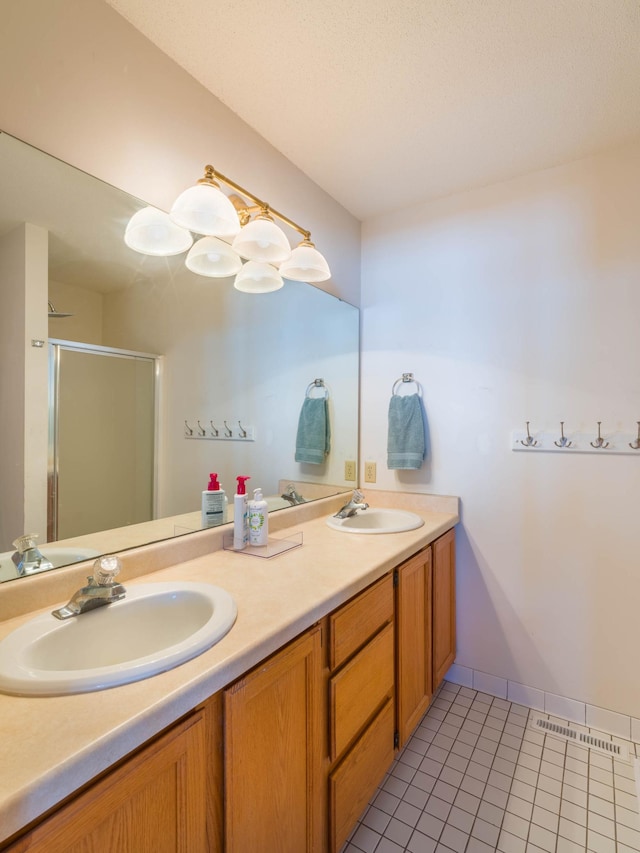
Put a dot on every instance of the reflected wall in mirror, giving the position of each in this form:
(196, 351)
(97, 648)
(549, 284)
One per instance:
(225, 356)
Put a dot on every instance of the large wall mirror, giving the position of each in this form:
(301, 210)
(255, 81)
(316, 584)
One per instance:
(113, 361)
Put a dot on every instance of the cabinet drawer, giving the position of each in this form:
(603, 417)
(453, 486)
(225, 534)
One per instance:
(359, 689)
(353, 782)
(356, 622)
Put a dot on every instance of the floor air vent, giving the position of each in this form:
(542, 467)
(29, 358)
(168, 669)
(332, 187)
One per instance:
(607, 747)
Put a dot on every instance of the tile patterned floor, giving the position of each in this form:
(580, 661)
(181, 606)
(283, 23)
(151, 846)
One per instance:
(474, 778)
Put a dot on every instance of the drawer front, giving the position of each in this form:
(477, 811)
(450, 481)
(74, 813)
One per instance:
(354, 781)
(359, 689)
(359, 620)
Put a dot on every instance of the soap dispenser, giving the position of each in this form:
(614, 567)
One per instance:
(258, 519)
(240, 520)
(213, 506)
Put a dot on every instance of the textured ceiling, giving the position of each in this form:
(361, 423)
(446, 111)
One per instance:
(386, 103)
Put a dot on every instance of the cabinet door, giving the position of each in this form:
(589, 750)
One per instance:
(153, 803)
(413, 643)
(273, 753)
(444, 605)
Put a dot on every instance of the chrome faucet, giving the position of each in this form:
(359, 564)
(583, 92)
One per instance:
(27, 558)
(292, 496)
(100, 589)
(357, 502)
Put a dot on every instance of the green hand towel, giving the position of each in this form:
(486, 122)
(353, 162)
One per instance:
(313, 440)
(405, 443)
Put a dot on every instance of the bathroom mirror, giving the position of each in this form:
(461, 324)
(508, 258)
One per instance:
(227, 361)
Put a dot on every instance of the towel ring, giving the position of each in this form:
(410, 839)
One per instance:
(405, 378)
(317, 383)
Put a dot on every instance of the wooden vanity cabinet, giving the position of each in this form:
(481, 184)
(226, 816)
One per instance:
(274, 753)
(444, 605)
(361, 706)
(151, 803)
(414, 602)
(425, 629)
(287, 757)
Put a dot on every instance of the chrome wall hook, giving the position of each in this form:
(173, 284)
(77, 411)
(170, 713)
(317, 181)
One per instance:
(635, 445)
(599, 442)
(528, 441)
(243, 432)
(227, 429)
(564, 441)
(188, 430)
(214, 429)
(201, 429)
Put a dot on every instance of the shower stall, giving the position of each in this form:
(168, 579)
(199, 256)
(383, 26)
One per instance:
(103, 412)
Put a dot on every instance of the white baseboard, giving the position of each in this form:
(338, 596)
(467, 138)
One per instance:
(591, 716)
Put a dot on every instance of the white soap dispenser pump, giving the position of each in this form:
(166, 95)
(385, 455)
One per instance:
(258, 519)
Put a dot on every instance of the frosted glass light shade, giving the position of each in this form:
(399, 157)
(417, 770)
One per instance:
(213, 258)
(305, 264)
(263, 241)
(255, 277)
(151, 232)
(205, 210)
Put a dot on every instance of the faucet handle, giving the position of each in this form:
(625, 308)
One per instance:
(25, 542)
(106, 568)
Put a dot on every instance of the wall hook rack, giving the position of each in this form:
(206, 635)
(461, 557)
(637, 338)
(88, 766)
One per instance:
(201, 429)
(563, 441)
(635, 445)
(243, 432)
(188, 430)
(599, 443)
(214, 430)
(227, 429)
(529, 440)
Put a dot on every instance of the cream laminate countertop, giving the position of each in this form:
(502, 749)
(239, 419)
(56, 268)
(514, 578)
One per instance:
(50, 746)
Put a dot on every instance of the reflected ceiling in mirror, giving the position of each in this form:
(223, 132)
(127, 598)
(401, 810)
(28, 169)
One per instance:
(224, 356)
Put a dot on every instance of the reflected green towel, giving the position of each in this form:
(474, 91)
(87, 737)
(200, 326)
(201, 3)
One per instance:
(405, 443)
(314, 432)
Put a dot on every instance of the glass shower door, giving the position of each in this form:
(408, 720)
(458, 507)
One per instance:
(102, 456)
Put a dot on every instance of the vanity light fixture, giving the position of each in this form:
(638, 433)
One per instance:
(151, 232)
(205, 210)
(257, 277)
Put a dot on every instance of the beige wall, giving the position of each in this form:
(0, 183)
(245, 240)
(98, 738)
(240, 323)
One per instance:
(521, 302)
(79, 82)
(86, 306)
(23, 384)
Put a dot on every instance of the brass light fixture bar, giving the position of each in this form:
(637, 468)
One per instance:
(211, 177)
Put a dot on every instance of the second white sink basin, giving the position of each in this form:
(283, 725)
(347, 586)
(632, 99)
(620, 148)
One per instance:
(154, 628)
(377, 521)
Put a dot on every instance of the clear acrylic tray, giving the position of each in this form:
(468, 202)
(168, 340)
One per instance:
(271, 549)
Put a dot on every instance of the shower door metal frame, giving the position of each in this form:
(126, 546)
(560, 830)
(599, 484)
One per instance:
(56, 345)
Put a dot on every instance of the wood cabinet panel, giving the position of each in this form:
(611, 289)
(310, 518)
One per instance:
(273, 754)
(353, 782)
(444, 605)
(413, 642)
(358, 620)
(153, 803)
(358, 690)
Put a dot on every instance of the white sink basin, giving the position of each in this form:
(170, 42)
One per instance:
(154, 628)
(377, 521)
(59, 555)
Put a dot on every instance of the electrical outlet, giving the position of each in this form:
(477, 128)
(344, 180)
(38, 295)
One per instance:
(369, 472)
(350, 471)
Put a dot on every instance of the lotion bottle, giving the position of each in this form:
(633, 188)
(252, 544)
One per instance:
(258, 519)
(240, 520)
(213, 508)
